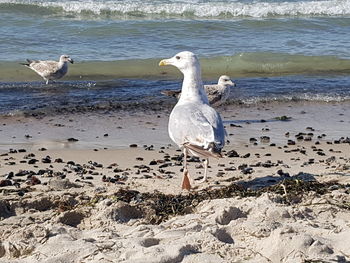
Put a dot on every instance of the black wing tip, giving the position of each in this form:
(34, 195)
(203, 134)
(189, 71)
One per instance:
(28, 63)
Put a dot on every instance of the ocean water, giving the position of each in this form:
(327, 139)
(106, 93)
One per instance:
(274, 50)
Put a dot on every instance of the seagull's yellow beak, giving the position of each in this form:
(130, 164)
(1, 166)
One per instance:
(163, 62)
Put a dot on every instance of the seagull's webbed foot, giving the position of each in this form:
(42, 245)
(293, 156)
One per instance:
(186, 185)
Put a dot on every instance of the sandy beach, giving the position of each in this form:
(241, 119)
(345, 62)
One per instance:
(104, 186)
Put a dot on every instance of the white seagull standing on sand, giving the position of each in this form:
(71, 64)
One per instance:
(193, 124)
(217, 93)
(48, 69)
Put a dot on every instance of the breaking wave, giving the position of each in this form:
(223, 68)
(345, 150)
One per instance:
(129, 9)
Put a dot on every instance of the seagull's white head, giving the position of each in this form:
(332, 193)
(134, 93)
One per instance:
(66, 58)
(225, 80)
(183, 61)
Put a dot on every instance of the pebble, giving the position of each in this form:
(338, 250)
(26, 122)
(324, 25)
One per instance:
(247, 155)
(72, 140)
(5, 182)
(291, 142)
(47, 159)
(32, 161)
(153, 162)
(232, 154)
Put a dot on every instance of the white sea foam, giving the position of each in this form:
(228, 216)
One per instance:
(200, 9)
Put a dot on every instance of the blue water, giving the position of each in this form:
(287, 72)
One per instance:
(279, 49)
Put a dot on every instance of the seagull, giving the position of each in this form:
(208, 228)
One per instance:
(217, 93)
(194, 125)
(48, 69)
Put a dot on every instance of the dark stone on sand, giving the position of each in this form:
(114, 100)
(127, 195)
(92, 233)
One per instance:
(133, 145)
(71, 163)
(153, 162)
(46, 159)
(232, 154)
(42, 149)
(273, 144)
(32, 161)
(29, 156)
(24, 173)
(282, 174)
(105, 135)
(194, 159)
(247, 170)
(58, 160)
(72, 140)
(291, 142)
(139, 159)
(253, 140)
(283, 118)
(164, 165)
(5, 182)
(22, 150)
(247, 155)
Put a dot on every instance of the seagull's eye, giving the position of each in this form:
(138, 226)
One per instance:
(177, 57)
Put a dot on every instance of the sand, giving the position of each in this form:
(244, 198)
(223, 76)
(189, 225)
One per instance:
(103, 196)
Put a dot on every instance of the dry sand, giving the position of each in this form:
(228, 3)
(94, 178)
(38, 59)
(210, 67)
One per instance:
(99, 200)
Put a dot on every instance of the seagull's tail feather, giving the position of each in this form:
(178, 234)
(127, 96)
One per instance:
(210, 152)
(28, 63)
(171, 93)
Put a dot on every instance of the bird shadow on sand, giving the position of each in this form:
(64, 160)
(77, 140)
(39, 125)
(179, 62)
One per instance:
(267, 181)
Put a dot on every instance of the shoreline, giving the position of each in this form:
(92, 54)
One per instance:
(117, 129)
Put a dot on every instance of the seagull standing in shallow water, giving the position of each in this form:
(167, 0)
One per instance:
(50, 70)
(217, 93)
(193, 124)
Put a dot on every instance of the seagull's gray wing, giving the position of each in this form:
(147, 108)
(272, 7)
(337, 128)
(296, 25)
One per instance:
(217, 94)
(197, 124)
(45, 68)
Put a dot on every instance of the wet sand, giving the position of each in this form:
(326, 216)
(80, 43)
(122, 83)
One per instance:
(61, 188)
